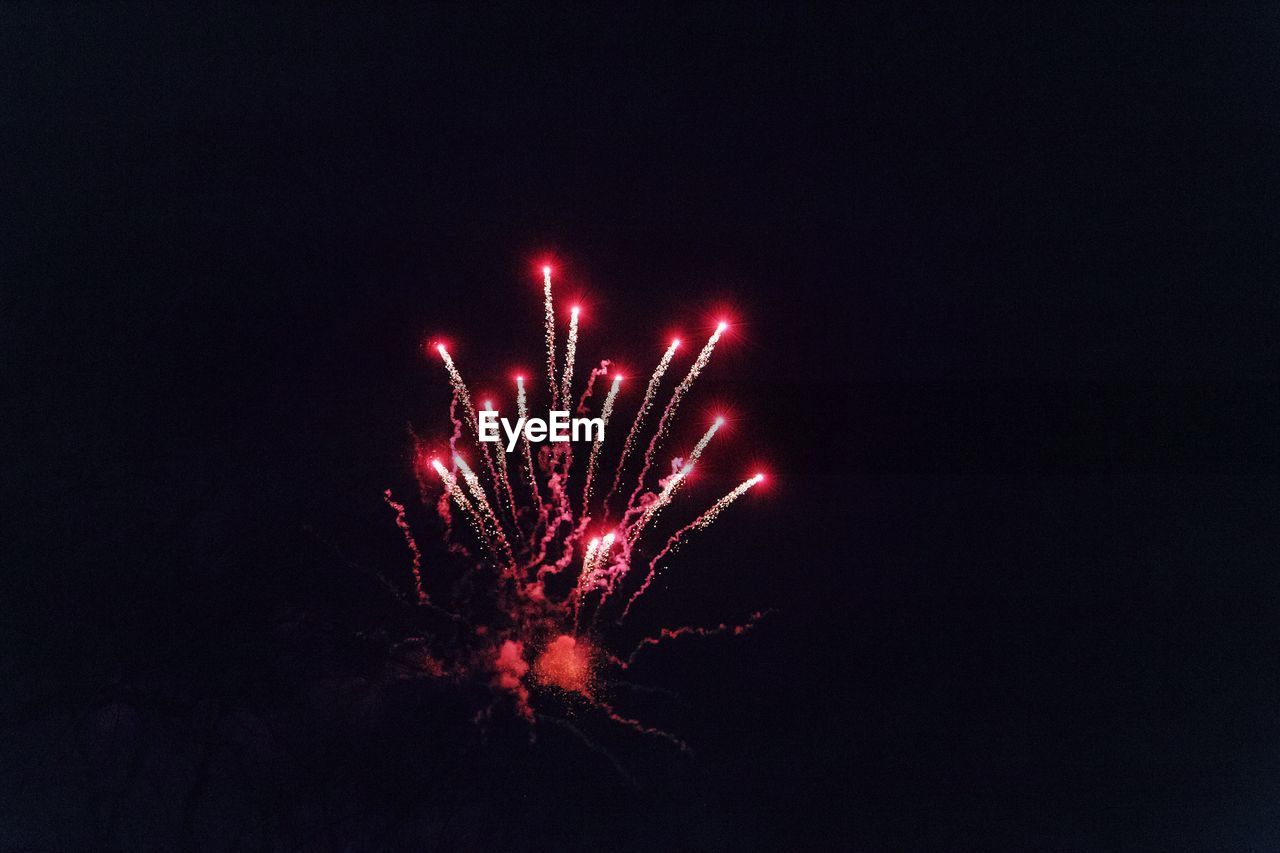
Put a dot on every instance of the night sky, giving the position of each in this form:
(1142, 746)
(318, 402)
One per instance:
(1004, 283)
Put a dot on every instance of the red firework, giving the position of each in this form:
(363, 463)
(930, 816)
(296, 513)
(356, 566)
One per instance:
(548, 555)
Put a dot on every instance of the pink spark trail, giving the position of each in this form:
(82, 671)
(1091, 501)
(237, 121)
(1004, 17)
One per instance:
(667, 634)
(411, 542)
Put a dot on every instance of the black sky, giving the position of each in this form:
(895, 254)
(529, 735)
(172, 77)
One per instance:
(1006, 284)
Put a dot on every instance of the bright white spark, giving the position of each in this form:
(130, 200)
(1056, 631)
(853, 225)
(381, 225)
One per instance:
(570, 353)
(550, 322)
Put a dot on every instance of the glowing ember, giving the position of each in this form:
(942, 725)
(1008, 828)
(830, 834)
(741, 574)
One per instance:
(509, 669)
(565, 663)
(547, 560)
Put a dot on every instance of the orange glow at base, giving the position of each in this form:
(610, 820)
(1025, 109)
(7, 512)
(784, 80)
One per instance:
(565, 663)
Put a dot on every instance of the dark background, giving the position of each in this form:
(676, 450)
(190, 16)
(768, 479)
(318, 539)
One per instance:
(1006, 286)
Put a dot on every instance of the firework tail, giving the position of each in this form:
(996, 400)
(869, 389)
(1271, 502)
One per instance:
(570, 353)
(702, 522)
(641, 727)
(411, 542)
(588, 558)
(646, 403)
(605, 413)
(473, 516)
(591, 382)
(522, 410)
(669, 412)
(469, 409)
(550, 323)
(505, 496)
(690, 631)
(597, 555)
(649, 512)
(486, 509)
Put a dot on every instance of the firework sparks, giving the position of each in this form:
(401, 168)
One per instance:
(605, 414)
(538, 636)
(459, 387)
(522, 411)
(676, 633)
(669, 412)
(410, 541)
(486, 509)
(650, 391)
(468, 407)
(505, 496)
(550, 322)
(702, 522)
(460, 498)
(705, 440)
(570, 353)
(649, 512)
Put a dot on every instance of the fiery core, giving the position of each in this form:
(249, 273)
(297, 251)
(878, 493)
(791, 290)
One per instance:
(551, 562)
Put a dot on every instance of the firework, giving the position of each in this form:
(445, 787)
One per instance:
(670, 411)
(553, 578)
(645, 405)
(702, 522)
(676, 633)
(460, 498)
(522, 410)
(463, 395)
(505, 496)
(549, 320)
(648, 512)
(570, 353)
(605, 413)
(482, 501)
(411, 542)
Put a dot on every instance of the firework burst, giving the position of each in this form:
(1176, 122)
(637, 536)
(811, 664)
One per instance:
(548, 565)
